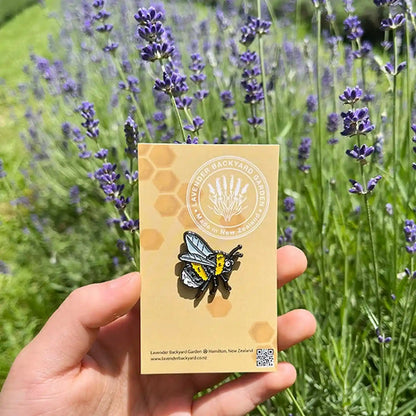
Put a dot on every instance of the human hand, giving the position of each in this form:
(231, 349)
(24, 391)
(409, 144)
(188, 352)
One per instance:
(85, 360)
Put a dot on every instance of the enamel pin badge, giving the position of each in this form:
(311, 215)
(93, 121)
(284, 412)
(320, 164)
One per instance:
(205, 266)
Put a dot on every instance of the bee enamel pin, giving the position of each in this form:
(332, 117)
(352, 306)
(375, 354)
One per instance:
(204, 265)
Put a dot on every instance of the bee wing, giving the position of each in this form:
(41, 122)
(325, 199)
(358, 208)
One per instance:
(190, 278)
(197, 245)
(197, 258)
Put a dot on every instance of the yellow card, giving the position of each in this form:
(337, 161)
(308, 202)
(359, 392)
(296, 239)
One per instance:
(208, 238)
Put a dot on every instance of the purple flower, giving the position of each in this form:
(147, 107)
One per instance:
(131, 84)
(255, 121)
(389, 209)
(197, 66)
(101, 154)
(287, 236)
(227, 99)
(356, 122)
(190, 140)
(381, 338)
(152, 32)
(410, 235)
(360, 153)
(389, 68)
(106, 27)
(248, 58)
(332, 123)
(392, 23)
(86, 109)
(289, 205)
(201, 94)
(129, 225)
(357, 188)
(132, 137)
(364, 50)
(98, 4)
(144, 17)
(197, 124)
(173, 84)
(74, 195)
(351, 95)
(183, 102)
(372, 183)
(121, 203)
(253, 27)
(352, 28)
(304, 153)
(157, 51)
(312, 103)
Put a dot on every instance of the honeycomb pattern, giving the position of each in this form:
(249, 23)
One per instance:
(261, 332)
(156, 164)
(145, 169)
(182, 192)
(144, 151)
(167, 205)
(219, 307)
(161, 156)
(165, 181)
(185, 219)
(150, 239)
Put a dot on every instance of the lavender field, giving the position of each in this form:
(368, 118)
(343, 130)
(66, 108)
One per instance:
(332, 82)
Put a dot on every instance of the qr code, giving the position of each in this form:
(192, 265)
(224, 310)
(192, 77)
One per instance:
(265, 357)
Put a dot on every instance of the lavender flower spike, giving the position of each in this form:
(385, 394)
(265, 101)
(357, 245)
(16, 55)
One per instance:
(357, 188)
(351, 95)
(356, 122)
(360, 153)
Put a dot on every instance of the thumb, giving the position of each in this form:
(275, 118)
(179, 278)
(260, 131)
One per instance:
(70, 332)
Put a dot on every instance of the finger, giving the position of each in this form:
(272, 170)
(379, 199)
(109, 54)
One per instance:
(294, 327)
(243, 394)
(70, 331)
(291, 262)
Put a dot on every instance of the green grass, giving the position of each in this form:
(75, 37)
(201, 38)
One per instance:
(25, 33)
(10, 8)
(22, 35)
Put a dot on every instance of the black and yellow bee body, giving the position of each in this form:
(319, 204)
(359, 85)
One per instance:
(204, 265)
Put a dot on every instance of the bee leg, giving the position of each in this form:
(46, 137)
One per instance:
(226, 285)
(214, 286)
(202, 289)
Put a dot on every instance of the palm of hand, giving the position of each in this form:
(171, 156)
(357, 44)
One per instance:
(85, 361)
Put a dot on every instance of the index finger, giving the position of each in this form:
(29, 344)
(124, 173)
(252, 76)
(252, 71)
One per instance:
(291, 263)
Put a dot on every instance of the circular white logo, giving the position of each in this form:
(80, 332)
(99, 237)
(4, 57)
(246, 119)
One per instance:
(228, 197)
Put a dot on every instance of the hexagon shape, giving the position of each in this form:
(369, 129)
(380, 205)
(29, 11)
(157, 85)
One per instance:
(167, 205)
(144, 150)
(181, 193)
(150, 239)
(261, 332)
(219, 307)
(145, 169)
(165, 181)
(185, 219)
(162, 156)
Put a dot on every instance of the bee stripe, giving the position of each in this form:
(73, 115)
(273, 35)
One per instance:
(220, 264)
(199, 270)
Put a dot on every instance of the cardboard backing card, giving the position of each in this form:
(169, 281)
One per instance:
(208, 237)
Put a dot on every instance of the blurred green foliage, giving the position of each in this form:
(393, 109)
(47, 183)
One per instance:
(10, 8)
